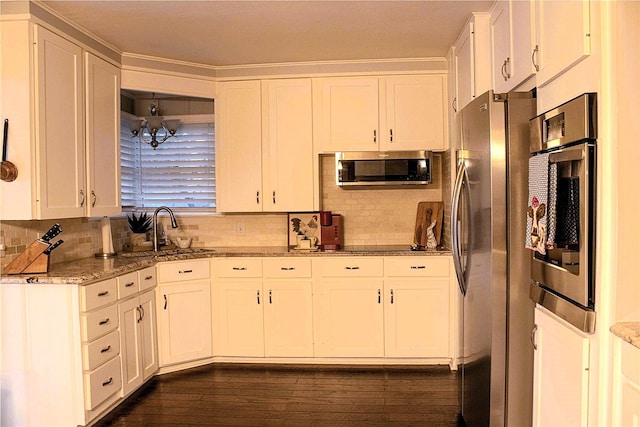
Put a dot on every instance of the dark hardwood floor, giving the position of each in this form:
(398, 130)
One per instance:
(279, 395)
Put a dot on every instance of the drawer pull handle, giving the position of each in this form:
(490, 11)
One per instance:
(128, 285)
(270, 300)
(148, 277)
(418, 267)
(379, 296)
(239, 268)
(106, 383)
(287, 268)
(258, 296)
(104, 322)
(106, 349)
(391, 296)
(165, 301)
(103, 293)
(352, 268)
(185, 271)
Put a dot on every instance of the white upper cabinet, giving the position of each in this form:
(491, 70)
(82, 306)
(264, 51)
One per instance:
(380, 113)
(60, 188)
(264, 156)
(287, 146)
(49, 109)
(103, 137)
(563, 37)
(345, 114)
(472, 60)
(239, 147)
(511, 44)
(415, 113)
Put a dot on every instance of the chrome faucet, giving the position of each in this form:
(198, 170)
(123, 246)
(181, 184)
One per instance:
(174, 224)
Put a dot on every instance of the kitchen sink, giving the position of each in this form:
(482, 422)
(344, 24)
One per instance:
(166, 252)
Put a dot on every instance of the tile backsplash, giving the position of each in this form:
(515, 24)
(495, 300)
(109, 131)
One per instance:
(371, 216)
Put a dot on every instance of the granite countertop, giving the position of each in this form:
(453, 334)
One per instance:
(628, 331)
(88, 270)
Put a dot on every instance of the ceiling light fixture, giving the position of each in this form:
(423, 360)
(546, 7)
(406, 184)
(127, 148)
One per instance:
(153, 124)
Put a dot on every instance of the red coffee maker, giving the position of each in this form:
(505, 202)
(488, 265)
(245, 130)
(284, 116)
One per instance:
(330, 231)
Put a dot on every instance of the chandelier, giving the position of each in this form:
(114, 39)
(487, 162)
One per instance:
(153, 129)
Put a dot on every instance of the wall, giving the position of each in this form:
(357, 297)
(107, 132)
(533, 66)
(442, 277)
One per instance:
(372, 217)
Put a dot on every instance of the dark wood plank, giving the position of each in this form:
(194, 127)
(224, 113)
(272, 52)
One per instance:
(294, 395)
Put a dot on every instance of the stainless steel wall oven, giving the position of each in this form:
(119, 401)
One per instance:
(561, 211)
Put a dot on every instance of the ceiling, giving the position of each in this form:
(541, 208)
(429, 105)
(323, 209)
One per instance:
(232, 33)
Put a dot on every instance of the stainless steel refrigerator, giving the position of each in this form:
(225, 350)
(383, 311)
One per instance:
(489, 217)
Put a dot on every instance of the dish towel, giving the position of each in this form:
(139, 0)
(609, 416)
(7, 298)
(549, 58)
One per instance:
(536, 237)
(568, 232)
(553, 205)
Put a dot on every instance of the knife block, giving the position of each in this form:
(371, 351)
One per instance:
(32, 260)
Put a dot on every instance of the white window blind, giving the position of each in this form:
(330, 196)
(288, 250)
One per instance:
(180, 173)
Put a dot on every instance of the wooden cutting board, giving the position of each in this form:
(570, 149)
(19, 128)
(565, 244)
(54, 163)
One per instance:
(427, 213)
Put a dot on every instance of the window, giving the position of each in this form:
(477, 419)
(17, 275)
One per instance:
(180, 173)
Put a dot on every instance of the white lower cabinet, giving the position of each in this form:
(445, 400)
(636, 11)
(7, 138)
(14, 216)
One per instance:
(348, 318)
(417, 307)
(262, 307)
(184, 311)
(348, 307)
(139, 343)
(626, 384)
(561, 373)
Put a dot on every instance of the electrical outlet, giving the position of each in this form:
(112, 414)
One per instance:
(240, 230)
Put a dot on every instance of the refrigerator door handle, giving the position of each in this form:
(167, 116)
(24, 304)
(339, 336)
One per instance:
(461, 266)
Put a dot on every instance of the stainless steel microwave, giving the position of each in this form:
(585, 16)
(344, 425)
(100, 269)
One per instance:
(383, 168)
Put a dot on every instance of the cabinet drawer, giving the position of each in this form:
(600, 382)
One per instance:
(238, 267)
(350, 267)
(183, 270)
(286, 267)
(99, 351)
(147, 278)
(128, 285)
(98, 294)
(99, 322)
(417, 266)
(102, 383)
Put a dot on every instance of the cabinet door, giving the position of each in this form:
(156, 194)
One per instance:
(184, 322)
(561, 373)
(464, 63)
(415, 115)
(130, 345)
(148, 335)
(416, 317)
(501, 53)
(59, 127)
(522, 41)
(348, 318)
(103, 137)
(288, 320)
(239, 147)
(287, 155)
(238, 314)
(345, 114)
(563, 33)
